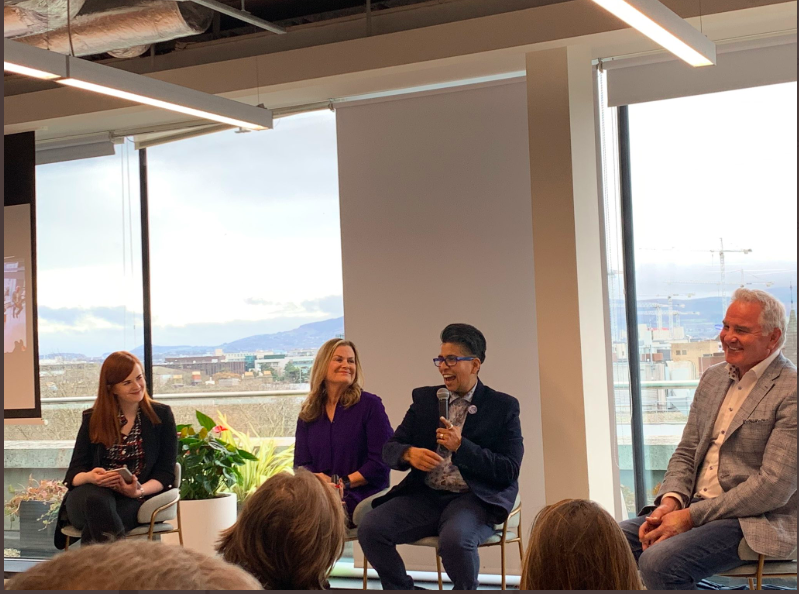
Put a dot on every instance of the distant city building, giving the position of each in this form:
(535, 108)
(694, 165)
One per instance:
(789, 350)
(694, 352)
(709, 361)
(619, 351)
(207, 364)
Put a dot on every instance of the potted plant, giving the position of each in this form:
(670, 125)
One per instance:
(36, 507)
(269, 460)
(208, 466)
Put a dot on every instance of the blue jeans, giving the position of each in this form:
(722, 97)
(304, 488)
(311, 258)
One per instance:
(679, 562)
(461, 522)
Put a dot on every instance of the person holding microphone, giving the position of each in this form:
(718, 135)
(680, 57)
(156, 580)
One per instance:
(125, 452)
(462, 443)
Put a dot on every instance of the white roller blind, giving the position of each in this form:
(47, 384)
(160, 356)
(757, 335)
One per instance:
(436, 227)
(740, 65)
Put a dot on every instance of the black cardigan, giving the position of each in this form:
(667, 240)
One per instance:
(160, 446)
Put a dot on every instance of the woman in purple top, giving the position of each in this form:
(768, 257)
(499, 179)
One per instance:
(342, 429)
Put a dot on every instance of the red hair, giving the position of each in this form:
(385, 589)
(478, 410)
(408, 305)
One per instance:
(104, 424)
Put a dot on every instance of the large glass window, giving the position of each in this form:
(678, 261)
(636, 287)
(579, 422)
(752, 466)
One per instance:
(617, 299)
(713, 186)
(246, 270)
(88, 243)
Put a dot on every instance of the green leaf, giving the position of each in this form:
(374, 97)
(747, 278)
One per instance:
(205, 421)
(247, 455)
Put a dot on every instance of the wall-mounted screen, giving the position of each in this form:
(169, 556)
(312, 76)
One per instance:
(20, 360)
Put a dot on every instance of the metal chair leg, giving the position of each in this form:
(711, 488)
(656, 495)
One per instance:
(180, 527)
(761, 560)
(438, 565)
(502, 556)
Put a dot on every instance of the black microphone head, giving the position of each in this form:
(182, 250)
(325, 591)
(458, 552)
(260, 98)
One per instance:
(442, 394)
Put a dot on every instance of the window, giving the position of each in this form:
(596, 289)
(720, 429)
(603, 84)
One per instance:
(713, 191)
(246, 270)
(89, 304)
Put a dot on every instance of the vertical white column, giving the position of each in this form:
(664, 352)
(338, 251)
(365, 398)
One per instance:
(569, 273)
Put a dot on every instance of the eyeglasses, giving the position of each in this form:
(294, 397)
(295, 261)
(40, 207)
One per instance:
(450, 360)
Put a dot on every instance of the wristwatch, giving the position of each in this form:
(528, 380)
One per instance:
(346, 482)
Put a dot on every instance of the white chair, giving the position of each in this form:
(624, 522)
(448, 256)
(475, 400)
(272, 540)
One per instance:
(358, 513)
(154, 516)
(506, 533)
(761, 567)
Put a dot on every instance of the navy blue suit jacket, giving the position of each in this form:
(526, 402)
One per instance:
(490, 454)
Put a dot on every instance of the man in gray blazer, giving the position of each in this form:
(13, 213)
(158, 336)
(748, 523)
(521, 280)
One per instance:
(733, 474)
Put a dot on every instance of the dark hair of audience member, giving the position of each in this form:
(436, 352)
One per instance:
(576, 545)
(289, 534)
(467, 337)
(133, 565)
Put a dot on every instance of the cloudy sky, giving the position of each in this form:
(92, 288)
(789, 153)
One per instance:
(711, 167)
(244, 239)
(245, 232)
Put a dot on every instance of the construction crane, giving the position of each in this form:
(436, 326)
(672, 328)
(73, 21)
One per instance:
(722, 284)
(723, 270)
(673, 315)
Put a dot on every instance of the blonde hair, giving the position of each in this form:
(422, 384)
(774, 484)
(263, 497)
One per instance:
(314, 403)
(133, 565)
(576, 545)
(289, 534)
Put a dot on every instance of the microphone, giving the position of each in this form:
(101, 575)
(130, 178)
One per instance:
(443, 403)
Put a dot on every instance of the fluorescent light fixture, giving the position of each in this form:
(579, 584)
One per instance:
(664, 27)
(82, 74)
(32, 61)
(17, 69)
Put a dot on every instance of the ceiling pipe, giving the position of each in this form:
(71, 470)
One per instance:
(241, 15)
(122, 25)
(30, 17)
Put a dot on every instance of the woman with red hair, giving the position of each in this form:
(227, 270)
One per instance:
(125, 429)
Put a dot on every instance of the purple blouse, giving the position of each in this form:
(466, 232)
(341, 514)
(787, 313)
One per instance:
(353, 441)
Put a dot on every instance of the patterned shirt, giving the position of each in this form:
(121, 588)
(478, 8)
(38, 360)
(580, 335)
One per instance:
(707, 482)
(130, 451)
(707, 479)
(446, 476)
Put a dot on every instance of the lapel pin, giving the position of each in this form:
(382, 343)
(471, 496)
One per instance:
(472, 409)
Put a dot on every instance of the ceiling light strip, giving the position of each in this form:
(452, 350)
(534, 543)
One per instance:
(665, 28)
(98, 78)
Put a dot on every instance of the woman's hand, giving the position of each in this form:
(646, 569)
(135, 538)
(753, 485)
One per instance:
(103, 478)
(323, 477)
(131, 489)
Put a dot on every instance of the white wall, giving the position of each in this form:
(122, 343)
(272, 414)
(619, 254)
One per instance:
(436, 227)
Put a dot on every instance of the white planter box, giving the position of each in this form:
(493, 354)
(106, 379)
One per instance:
(203, 522)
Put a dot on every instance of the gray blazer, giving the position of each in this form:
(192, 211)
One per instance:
(757, 461)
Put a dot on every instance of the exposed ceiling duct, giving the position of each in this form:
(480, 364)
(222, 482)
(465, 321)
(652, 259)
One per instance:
(30, 17)
(126, 28)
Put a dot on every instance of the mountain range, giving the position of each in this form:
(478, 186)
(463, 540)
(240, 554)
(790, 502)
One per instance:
(307, 336)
